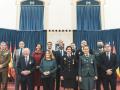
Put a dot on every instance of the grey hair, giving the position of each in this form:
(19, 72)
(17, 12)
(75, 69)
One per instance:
(3, 43)
(26, 49)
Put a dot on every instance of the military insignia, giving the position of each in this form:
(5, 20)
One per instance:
(64, 58)
(91, 60)
(73, 61)
(72, 53)
(84, 60)
(5, 53)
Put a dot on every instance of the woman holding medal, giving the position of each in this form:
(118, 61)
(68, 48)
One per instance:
(68, 70)
(48, 67)
(87, 70)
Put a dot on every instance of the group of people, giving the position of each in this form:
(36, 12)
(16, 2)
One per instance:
(71, 68)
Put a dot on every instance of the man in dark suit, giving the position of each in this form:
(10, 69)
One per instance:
(98, 52)
(26, 66)
(61, 48)
(108, 62)
(16, 56)
(73, 48)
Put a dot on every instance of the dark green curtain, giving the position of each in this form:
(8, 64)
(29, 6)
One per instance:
(88, 17)
(107, 36)
(31, 38)
(31, 17)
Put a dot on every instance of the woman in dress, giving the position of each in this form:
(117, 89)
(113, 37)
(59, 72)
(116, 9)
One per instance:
(38, 54)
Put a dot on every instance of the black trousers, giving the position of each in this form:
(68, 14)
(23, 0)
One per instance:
(48, 83)
(27, 83)
(76, 88)
(17, 81)
(109, 80)
(58, 80)
(98, 83)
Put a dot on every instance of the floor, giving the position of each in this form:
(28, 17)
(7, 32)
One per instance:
(11, 87)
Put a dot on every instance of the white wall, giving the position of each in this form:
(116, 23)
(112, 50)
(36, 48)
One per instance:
(8, 14)
(60, 14)
(112, 14)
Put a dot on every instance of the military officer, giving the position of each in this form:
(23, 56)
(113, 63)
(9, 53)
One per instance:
(87, 70)
(69, 70)
(4, 61)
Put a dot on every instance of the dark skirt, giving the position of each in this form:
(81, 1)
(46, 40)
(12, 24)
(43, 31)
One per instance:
(37, 78)
(69, 83)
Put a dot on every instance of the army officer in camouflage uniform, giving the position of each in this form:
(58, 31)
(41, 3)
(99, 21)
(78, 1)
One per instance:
(87, 70)
(4, 61)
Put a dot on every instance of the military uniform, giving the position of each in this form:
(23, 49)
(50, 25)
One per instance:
(69, 71)
(4, 62)
(87, 71)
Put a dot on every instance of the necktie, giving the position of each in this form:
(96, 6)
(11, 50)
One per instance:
(61, 52)
(21, 52)
(108, 56)
(26, 61)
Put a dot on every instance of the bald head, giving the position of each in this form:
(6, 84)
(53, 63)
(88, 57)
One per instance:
(26, 52)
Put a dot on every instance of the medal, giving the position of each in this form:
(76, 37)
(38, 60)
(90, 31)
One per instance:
(73, 61)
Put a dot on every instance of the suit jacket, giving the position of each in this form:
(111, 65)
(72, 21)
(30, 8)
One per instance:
(108, 64)
(87, 66)
(16, 57)
(59, 57)
(22, 65)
